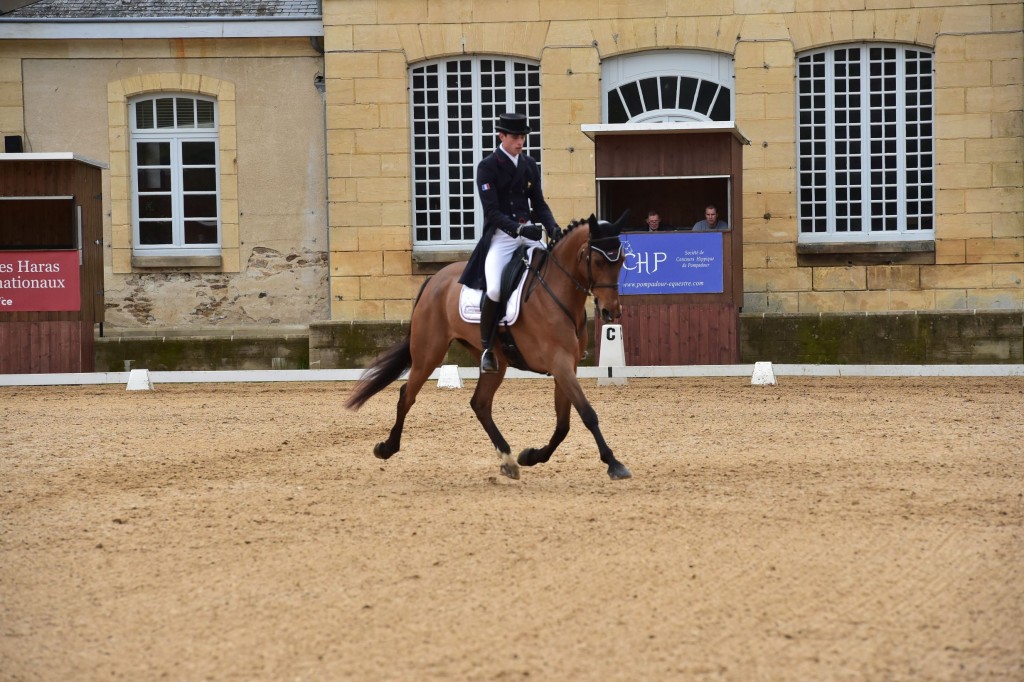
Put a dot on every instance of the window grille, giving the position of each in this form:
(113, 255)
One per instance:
(667, 86)
(637, 100)
(455, 104)
(864, 144)
(175, 178)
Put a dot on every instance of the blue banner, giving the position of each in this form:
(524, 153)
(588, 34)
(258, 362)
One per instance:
(672, 263)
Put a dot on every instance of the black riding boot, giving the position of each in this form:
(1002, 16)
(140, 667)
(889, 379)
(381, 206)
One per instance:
(488, 325)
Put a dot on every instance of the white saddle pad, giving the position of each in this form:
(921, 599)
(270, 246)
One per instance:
(469, 300)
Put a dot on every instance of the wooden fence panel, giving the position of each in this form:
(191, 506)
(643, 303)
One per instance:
(39, 347)
(680, 334)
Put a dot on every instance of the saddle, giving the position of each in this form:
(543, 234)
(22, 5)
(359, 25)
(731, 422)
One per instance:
(513, 278)
(513, 281)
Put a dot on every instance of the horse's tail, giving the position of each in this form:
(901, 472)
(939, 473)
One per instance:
(388, 366)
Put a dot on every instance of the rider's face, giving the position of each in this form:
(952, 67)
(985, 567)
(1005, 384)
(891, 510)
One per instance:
(513, 144)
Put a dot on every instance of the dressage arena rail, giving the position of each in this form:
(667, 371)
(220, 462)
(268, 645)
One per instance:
(472, 373)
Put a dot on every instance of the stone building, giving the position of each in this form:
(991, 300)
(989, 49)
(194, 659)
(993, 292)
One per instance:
(210, 118)
(883, 178)
(882, 193)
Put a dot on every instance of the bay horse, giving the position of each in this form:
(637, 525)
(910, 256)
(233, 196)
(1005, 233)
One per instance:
(550, 334)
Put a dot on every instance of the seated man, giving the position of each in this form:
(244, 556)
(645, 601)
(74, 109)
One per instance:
(711, 221)
(654, 223)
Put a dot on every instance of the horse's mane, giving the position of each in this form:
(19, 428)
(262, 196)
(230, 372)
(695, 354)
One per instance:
(568, 228)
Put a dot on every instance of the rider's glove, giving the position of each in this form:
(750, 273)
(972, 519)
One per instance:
(530, 231)
(554, 233)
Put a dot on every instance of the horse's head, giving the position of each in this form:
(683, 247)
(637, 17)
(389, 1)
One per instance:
(603, 264)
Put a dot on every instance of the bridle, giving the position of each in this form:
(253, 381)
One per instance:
(611, 257)
(592, 245)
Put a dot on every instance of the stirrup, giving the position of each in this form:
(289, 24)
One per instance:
(488, 363)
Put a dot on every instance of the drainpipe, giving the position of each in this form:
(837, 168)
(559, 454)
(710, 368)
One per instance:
(320, 83)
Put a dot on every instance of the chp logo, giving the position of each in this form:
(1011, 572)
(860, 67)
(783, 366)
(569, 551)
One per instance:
(642, 262)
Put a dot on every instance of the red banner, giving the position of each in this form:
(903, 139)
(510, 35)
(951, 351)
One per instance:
(39, 280)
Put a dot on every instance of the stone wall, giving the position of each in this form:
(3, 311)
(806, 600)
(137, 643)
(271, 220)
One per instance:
(971, 337)
(202, 353)
(928, 338)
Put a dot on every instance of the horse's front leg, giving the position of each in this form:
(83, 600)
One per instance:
(565, 376)
(482, 403)
(563, 408)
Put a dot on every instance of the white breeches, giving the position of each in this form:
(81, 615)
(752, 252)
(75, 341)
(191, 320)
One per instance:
(500, 253)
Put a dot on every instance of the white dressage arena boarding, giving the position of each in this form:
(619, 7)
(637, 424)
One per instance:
(473, 373)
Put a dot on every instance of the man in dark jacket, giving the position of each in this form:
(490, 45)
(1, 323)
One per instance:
(510, 193)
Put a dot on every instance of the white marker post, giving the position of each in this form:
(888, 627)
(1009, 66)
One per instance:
(612, 354)
(763, 374)
(449, 377)
(138, 380)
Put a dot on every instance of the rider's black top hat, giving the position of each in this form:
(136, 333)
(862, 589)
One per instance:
(513, 123)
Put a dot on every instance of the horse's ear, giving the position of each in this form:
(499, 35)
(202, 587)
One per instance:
(620, 224)
(592, 221)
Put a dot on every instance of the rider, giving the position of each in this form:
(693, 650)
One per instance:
(509, 186)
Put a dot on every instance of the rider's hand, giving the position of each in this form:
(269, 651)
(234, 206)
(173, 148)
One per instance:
(530, 231)
(554, 233)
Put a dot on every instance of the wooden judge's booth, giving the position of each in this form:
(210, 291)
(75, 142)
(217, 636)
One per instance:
(51, 262)
(681, 290)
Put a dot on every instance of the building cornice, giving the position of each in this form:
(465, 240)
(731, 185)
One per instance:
(163, 27)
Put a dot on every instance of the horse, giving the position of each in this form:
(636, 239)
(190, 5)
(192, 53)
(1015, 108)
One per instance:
(550, 335)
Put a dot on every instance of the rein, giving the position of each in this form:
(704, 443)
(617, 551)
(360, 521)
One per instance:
(587, 290)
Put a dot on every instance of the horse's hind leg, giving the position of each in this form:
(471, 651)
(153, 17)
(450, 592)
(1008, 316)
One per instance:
(482, 403)
(386, 448)
(418, 375)
(563, 409)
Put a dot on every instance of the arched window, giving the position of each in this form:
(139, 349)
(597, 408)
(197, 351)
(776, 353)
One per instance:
(175, 178)
(864, 143)
(455, 103)
(667, 86)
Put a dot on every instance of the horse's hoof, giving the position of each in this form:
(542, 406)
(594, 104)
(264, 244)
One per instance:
(531, 456)
(508, 467)
(618, 472)
(381, 451)
(527, 457)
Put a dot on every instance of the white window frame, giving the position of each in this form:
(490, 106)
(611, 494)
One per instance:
(174, 136)
(865, 144)
(672, 72)
(452, 130)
